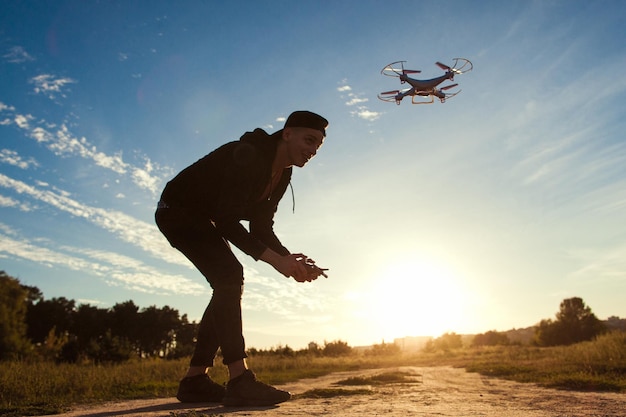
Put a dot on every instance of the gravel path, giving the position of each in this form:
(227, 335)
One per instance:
(437, 391)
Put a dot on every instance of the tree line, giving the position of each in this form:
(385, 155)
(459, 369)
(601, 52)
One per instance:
(32, 326)
(59, 329)
(575, 322)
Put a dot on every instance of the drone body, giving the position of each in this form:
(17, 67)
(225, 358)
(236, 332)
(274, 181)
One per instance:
(424, 91)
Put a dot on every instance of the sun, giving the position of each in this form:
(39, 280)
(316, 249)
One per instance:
(416, 297)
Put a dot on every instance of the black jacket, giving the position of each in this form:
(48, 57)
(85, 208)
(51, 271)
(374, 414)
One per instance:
(225, 187)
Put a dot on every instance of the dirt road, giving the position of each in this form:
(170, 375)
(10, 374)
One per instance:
(437, 391)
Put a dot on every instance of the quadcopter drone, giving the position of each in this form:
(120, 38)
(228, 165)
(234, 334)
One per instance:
(424, 91)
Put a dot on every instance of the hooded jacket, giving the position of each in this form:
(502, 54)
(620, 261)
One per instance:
(227, 185)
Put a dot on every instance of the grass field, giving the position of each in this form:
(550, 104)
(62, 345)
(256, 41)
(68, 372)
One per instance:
(35, 388)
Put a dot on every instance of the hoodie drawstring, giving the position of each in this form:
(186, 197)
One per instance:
(293, 199)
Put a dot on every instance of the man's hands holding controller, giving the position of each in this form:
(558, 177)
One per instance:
(296, 265)
(310, 272)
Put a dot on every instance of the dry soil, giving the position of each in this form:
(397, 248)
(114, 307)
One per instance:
(436, 391)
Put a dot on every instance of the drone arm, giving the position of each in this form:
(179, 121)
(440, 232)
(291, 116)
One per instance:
(450, 95)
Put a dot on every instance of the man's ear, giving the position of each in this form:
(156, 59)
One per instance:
(287, 133)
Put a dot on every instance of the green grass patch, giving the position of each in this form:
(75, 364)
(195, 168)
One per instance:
(193, 413)
(333, 392)
(394, 377)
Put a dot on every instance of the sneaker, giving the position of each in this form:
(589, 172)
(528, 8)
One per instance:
(200, 389)
(247, 390)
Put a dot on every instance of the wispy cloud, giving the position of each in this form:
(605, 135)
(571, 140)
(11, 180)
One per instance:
(356, 100)
(17, 55)
(51, 86)
(4, 107)
(12, 158)
(353, 99)
(567, 143)
(366, 114)
(129, 229)
(11, 202)
(130, 273)
(606, 265)
(293, 302)
(22, 121)
(62, 142)
(113, 267)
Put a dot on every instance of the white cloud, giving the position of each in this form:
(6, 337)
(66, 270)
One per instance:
(8, 230)
(356, 100)
(50, 86)
(12, 158)
(117, 269)
(284, 298)
(17, 55)
(143, 178)
(63, 143)
(22, 121)
(8, 201)
(4, 107)
(366, 114)
(136, 232)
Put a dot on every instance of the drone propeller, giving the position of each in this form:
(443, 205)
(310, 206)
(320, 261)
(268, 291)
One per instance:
(448, 87)
(443, 66)
(390, 92)
(392, 70)
(461, 65)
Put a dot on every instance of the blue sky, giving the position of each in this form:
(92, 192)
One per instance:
(482, 213)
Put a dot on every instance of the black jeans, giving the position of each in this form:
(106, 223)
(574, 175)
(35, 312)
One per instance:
(199, 241)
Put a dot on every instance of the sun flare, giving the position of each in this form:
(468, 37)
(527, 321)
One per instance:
(416, 297)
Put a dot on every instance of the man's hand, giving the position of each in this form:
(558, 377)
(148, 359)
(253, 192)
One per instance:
(313, 271)
(296, 265)
(289, 265)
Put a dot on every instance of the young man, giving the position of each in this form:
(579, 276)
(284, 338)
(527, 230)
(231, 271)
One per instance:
(200, 212)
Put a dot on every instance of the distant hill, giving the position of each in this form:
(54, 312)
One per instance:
(517, 336)
(521, 336)
(615, 323)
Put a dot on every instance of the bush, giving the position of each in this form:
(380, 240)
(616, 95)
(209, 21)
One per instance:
(445, 343)
(384, 349)
(336, 348)
(491, 338)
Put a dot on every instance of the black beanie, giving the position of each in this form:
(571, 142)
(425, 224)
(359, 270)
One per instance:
(304, 118)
